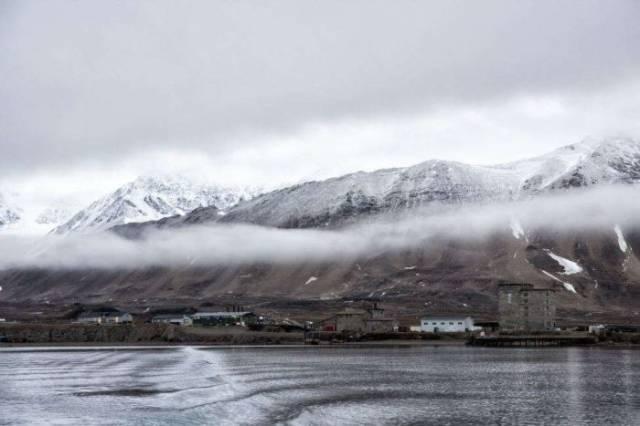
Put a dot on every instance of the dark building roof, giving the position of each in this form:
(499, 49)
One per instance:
(221, 314)
(515, 285)
(170, 316)
(442, 316)
(525, 287)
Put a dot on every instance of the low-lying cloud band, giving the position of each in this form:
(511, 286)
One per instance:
(570, 211)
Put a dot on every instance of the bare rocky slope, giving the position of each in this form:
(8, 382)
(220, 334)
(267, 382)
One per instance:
(444, 276)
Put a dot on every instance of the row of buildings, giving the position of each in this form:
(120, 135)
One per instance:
(369, 320)
(114, 317)
(521, 308)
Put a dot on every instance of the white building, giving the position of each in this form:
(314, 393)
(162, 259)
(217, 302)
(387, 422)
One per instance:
(108, 317)
(447, 324)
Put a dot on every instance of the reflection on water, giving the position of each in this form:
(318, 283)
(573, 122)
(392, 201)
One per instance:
(310, 385)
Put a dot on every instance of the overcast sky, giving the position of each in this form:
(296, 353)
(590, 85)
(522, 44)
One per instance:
(93, 93)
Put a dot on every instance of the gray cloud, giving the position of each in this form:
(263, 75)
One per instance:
(599, 209)
(94, 80)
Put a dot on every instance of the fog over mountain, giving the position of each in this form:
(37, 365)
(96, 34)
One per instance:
(603, 209)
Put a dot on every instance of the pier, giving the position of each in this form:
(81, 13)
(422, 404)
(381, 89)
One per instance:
(533, 340)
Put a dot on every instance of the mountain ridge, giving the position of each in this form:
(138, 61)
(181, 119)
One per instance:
(151, 198)
(345, 199)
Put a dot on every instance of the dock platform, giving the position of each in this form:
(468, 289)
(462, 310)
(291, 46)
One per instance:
(533, 340)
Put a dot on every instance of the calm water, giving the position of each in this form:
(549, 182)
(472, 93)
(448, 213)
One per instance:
(445, 385)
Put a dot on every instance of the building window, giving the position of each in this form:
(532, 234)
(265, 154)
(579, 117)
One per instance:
(459, 323)
(509, 298)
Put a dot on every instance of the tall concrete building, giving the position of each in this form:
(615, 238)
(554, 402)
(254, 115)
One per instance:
(525, 308)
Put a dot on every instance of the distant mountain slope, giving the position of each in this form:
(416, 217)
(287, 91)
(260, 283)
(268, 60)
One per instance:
(347, 199)
(18, 216)
(149, 199)
(593, 272)
(9, 214)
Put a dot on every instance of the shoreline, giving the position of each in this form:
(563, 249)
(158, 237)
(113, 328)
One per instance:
(13, 347)
(150, 346)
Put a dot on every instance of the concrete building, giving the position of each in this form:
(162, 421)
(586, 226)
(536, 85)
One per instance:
(446, 324)
(350, 320)
(525, 308)
(175, 319)
(371, 320)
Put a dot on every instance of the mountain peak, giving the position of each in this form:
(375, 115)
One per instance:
(149, 198)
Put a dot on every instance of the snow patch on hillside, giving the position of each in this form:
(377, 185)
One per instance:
(516, 229)
(567, 286)
(310, 280)
(622, 243)
(570, 267)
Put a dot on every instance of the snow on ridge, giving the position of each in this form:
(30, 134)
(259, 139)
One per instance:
(622, 243)
(439, 181)
(151, 198)
(567, 286)
(310, 280)
(570, 267)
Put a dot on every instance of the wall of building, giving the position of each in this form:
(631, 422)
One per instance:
(539, 310)
(379, 326)
(350, 322)
(523, 308)
(446, 325)
(510, 307)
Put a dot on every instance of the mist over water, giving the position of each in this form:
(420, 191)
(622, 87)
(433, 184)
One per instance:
(323, 386)
(598, 209)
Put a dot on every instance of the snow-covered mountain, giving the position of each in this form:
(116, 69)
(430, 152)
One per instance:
(22, 217)
(594, 270)
(9, 214)
(152, 198)
(343, 199)
(53, 216)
